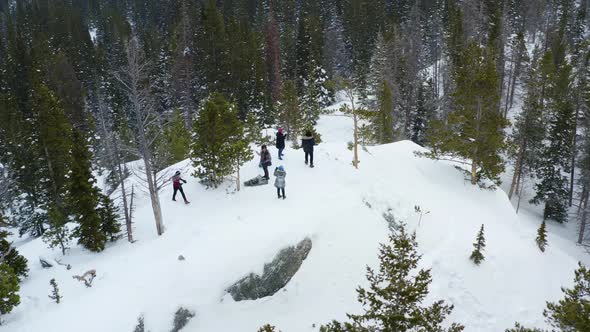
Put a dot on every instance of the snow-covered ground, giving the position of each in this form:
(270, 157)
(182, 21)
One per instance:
(225, 235)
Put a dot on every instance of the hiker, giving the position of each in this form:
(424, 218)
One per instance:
(177, 185)
(308, 142)
(280, 181)
(265, 160)
(280, 143)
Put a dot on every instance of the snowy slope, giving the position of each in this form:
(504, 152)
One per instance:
(224, 235)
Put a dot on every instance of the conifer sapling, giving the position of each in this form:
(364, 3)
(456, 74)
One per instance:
(542, 237)
(54, 292)
(394, 299)
(480, 243)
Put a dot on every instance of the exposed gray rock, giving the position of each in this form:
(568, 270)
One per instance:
(45, 263)
(276, 274)
(181, 258)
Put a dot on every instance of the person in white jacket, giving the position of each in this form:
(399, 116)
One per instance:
(280, 181)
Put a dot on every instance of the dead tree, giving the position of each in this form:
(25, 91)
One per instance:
(114, 158)
(134, 79)
(87, 277)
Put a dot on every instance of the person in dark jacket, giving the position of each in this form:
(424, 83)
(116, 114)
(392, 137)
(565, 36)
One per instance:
(308, 142)
(280, 143)
(177, 185)
(280, 181)
(265, 160)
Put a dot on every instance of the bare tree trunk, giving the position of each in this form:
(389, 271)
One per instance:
(583, 217)
(583, 197)
(124, 195)
(508, 103)
(154, 197)
(52, 176)
(238, 184)
(517, 169)
(355, 161)
(520, 195)
(134, 78)
(574, 143)
(131, 203)
(112, 148)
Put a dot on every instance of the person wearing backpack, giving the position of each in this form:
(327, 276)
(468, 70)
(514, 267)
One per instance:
(280, 181)
(177, 185)
(308, 142)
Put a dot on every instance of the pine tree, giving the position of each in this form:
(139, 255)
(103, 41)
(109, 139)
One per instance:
(394, 299)
(84, 197)
(177, 138)
(10, 256)
(474, 131)
(572, 313)
(542, 237)
(54, 291)
(555, 160)
(290, 116)
(529, 128)
(58, 234)
(55, 143)
(384, 121)
(9, 288)
(108, 214)
(425, 113)
(213, 152)
(479, 245)
(273, 57)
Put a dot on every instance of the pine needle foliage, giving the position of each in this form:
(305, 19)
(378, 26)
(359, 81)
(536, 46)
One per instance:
(11, 257)
(9, 288)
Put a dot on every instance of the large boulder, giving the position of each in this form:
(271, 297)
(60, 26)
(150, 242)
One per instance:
(276, 274)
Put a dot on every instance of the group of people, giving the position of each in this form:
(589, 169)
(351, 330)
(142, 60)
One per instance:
(307, 143)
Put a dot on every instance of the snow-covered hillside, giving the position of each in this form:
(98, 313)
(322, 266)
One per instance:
(224, 235)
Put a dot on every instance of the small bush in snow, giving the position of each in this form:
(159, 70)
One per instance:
(542, 237)
(519, 328)
(480, 243)
(393, 301)
(181, 318)
(393, 225)
(267, 328)
(55, 291)
(140, 327)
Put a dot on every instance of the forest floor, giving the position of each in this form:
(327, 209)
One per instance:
(224, 235)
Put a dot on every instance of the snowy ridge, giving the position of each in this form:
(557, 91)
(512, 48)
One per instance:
(225, 235)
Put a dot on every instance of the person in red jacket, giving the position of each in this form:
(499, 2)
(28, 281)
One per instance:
(177, 185)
